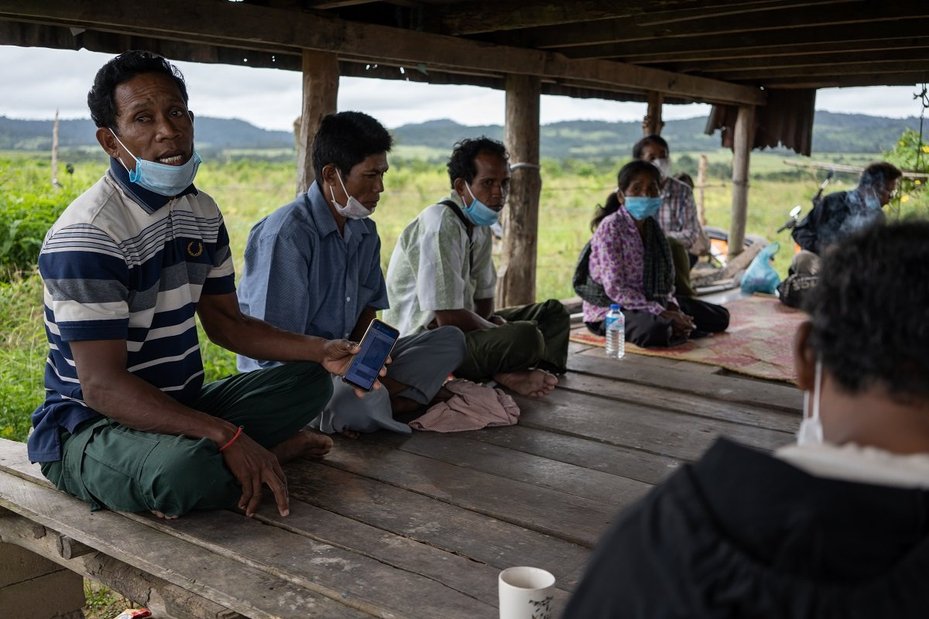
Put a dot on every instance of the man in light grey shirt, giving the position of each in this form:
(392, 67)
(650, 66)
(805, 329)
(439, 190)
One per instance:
(441, 273)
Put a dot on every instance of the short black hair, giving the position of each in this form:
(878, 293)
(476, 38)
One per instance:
(461, 163)
(868, 310)
(623, 179)
(346, 139)
(879, 174)
(649, 139)
(121, 69)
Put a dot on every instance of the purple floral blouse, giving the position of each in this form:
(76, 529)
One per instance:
(617, 262)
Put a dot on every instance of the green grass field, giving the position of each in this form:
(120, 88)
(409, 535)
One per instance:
(248, 189)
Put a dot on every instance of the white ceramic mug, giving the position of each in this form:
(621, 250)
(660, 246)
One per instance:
(526, 593)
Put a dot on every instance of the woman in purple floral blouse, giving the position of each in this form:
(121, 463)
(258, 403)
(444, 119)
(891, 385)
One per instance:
(630, 258)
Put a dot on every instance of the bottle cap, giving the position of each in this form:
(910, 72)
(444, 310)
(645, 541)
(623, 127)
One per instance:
(614, 306)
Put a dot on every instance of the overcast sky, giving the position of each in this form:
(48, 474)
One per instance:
(38, 80)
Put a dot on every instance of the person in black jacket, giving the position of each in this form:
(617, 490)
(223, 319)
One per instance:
(842, 213)
(834, 526)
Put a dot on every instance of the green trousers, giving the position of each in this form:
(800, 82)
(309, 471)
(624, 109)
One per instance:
(109, 465)
(535, 336)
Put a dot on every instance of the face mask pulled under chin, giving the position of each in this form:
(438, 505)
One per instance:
(353, 209)
(165, 180)
(811, 428)
(479, 213)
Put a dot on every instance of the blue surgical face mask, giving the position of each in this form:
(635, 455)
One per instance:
(479, 213)
(160, 178)
(641, 207)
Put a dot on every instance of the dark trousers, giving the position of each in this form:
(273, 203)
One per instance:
(109, 465)
(535, 336)
(649, 330)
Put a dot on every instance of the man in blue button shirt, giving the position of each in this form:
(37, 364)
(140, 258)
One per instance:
(313, 267)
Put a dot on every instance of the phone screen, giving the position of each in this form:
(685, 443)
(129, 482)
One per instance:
(376, 345)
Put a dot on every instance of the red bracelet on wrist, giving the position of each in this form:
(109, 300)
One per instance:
(235, 436)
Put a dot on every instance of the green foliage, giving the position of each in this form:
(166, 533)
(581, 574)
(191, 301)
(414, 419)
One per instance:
(29, 205)
(910, 154)
(22, 352)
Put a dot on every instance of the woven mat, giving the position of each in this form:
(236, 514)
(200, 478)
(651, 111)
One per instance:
(759, 341)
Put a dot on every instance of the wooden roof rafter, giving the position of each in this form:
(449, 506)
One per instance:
(210, 22)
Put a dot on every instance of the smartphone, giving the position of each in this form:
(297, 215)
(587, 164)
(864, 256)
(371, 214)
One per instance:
(376, 345)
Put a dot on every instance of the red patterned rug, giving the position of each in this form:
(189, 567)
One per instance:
(759, 341)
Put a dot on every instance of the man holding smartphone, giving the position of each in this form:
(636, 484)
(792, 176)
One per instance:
(313, 266)
(127, 422)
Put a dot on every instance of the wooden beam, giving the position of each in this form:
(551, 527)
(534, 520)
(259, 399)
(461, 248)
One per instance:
(743, 137)
(652, 123)
(701, 25)
(516, 282)
(848, 81)
(785, 61)
(495, 16)
(320, 97)
(246, 26)
(827, 35)
(726, 53)
(917, 66)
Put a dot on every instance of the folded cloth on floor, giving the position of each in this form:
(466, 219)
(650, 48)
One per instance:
(472, 407)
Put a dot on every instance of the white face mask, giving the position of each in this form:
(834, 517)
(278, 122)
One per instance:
(354, 209)
(811, 428)
(664, 166)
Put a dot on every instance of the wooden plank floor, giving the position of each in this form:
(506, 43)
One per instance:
(419, 526)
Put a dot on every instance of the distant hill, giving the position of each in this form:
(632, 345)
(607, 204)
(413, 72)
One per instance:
(579, 139)
(585, 139)
(212, 133)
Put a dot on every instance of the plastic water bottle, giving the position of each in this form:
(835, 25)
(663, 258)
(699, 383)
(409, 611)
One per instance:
(615, 326)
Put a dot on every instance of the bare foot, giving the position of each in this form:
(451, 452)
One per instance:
(305, 443)
(350, 434)
(161, 515)
(534, 383)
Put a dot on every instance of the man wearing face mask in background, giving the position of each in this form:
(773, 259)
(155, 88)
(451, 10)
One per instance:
(442, 273)
(678, 214)
(313, 266)
(842, 213)
(127, 422)
(834, 526)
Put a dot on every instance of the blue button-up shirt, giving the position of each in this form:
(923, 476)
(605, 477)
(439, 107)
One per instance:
(303, 276)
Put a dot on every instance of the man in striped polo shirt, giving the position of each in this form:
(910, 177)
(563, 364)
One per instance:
(127, 422)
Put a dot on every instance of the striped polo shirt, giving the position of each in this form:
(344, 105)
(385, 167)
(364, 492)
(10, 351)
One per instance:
(123, 263)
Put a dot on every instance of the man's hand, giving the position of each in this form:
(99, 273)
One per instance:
(338, 355)
(681, 323)
(497, 319)
(254, 466)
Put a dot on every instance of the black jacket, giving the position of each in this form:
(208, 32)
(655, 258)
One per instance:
(835, 217)
(743, 534)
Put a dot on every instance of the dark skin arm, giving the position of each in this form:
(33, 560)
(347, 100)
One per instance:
(113, 391)
(482, 317)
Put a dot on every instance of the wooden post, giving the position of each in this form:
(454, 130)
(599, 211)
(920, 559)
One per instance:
(516, 283)
(55, 182)
(742, 147)
(320, 97)
(652, 123)
(701, 187)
